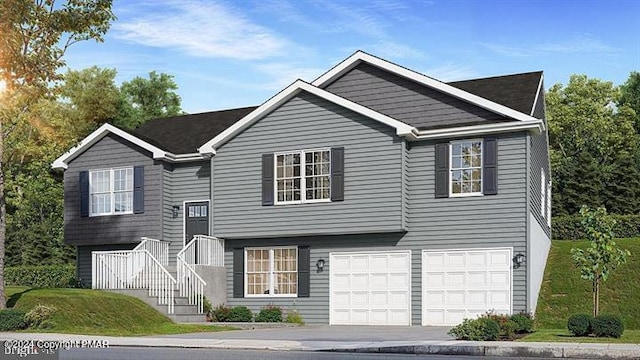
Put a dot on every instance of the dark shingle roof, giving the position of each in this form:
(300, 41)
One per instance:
(517, 91)
(184, 134)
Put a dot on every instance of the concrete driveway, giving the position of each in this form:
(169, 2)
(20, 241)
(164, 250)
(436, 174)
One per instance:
(332, 333)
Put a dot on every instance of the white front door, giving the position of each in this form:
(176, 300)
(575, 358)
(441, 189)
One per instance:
(370, 288)
(459, 284)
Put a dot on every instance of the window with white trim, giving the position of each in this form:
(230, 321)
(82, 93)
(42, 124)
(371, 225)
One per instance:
(303, 176)
(549, 203)
(465, 168)
(111, 191)
(543, 194)
(271, 272)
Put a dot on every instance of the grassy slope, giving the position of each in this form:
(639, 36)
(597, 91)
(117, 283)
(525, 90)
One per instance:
(95, 312)
(565, 293)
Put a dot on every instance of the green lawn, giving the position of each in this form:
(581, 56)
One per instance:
(95, 312)
(565, 293)
(563, 335)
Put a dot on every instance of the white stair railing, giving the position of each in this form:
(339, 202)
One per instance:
(159, 249)
(201, 250)
(134, 269)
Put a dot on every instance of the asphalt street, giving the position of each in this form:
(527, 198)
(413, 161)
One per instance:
(123, 353)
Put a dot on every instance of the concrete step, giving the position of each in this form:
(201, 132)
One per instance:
(183, 318)
(183, 311)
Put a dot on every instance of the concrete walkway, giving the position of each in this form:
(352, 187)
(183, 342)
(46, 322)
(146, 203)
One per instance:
(448, 347)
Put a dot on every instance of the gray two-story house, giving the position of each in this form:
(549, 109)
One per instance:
(373, 195)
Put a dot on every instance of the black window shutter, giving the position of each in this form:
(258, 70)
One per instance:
(267, 179)
(442, 170)
(84, 193)
(490, 166)
(138, 189)
(304, 271)
(238, 273)
(337, 174)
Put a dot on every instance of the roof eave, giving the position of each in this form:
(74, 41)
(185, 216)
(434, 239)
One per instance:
(62, 162)
(535, 126)
(289, 92)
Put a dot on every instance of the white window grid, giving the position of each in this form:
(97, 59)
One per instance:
(111, 191)
(549, 203)
(273, 271)
(304, 179)
(466, 168)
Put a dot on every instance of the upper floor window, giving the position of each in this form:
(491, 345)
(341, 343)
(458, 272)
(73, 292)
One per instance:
(111, 191)
(543, 194)
(466, 168)
(303, 176)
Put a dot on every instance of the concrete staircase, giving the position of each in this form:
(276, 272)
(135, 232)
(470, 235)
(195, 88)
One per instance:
(183, 311)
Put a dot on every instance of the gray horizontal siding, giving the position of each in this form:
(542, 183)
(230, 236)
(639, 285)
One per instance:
(182, 182)
(112, 152)
(83, 259)
(372, 181)
(406, 100)
(470, 222)
(539, 159)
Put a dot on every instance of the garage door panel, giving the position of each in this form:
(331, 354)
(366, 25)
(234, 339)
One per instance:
(466, 284)
(378, 292)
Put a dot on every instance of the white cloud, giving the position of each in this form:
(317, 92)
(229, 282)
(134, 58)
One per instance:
(450, 72)
(202, 29)
(283, 74)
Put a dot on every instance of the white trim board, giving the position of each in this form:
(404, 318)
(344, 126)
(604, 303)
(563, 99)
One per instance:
(63, 161)
(360, 56)
(289, 92)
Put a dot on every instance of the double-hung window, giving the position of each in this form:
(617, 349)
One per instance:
(465, 168)
(271, 272)
(111, 191)
(303, 176)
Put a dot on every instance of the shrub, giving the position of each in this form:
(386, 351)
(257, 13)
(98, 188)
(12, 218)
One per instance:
(12, 319)
(45, 276)
(569, 227)
(507, 326)
(206, 306)
(220, 313)
(607, 326)
(580, 324)
(240, 314)
(480, 329)
(294, 317)
(40, 317)
(524, 323)
(269, 314)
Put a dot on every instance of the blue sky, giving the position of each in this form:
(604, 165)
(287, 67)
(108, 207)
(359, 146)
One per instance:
(227, 54)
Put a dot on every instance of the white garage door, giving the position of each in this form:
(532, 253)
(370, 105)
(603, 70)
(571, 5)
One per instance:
(372, 288)
(463, 284)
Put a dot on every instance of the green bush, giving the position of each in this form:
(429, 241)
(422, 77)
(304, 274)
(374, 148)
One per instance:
(507, 327)
(12, 319)
(569, 227)
(240, 314)
(45, 276)
(607, 326)
(580, 324)
(40, 317)
(524, 323)
(269, 314)
(480, 329)
(294, 317)
(220, 313)
(206, 306)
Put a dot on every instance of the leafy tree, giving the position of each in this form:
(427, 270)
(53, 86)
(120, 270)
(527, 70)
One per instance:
(93, 96)
(35, 37)
(630, 96)
(149, 99)
(602, 256)
(583, 119)
(622, 188)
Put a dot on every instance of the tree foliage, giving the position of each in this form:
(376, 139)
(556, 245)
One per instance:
(149, 99)
(34, 36)
(593, 142)
(602, 256)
